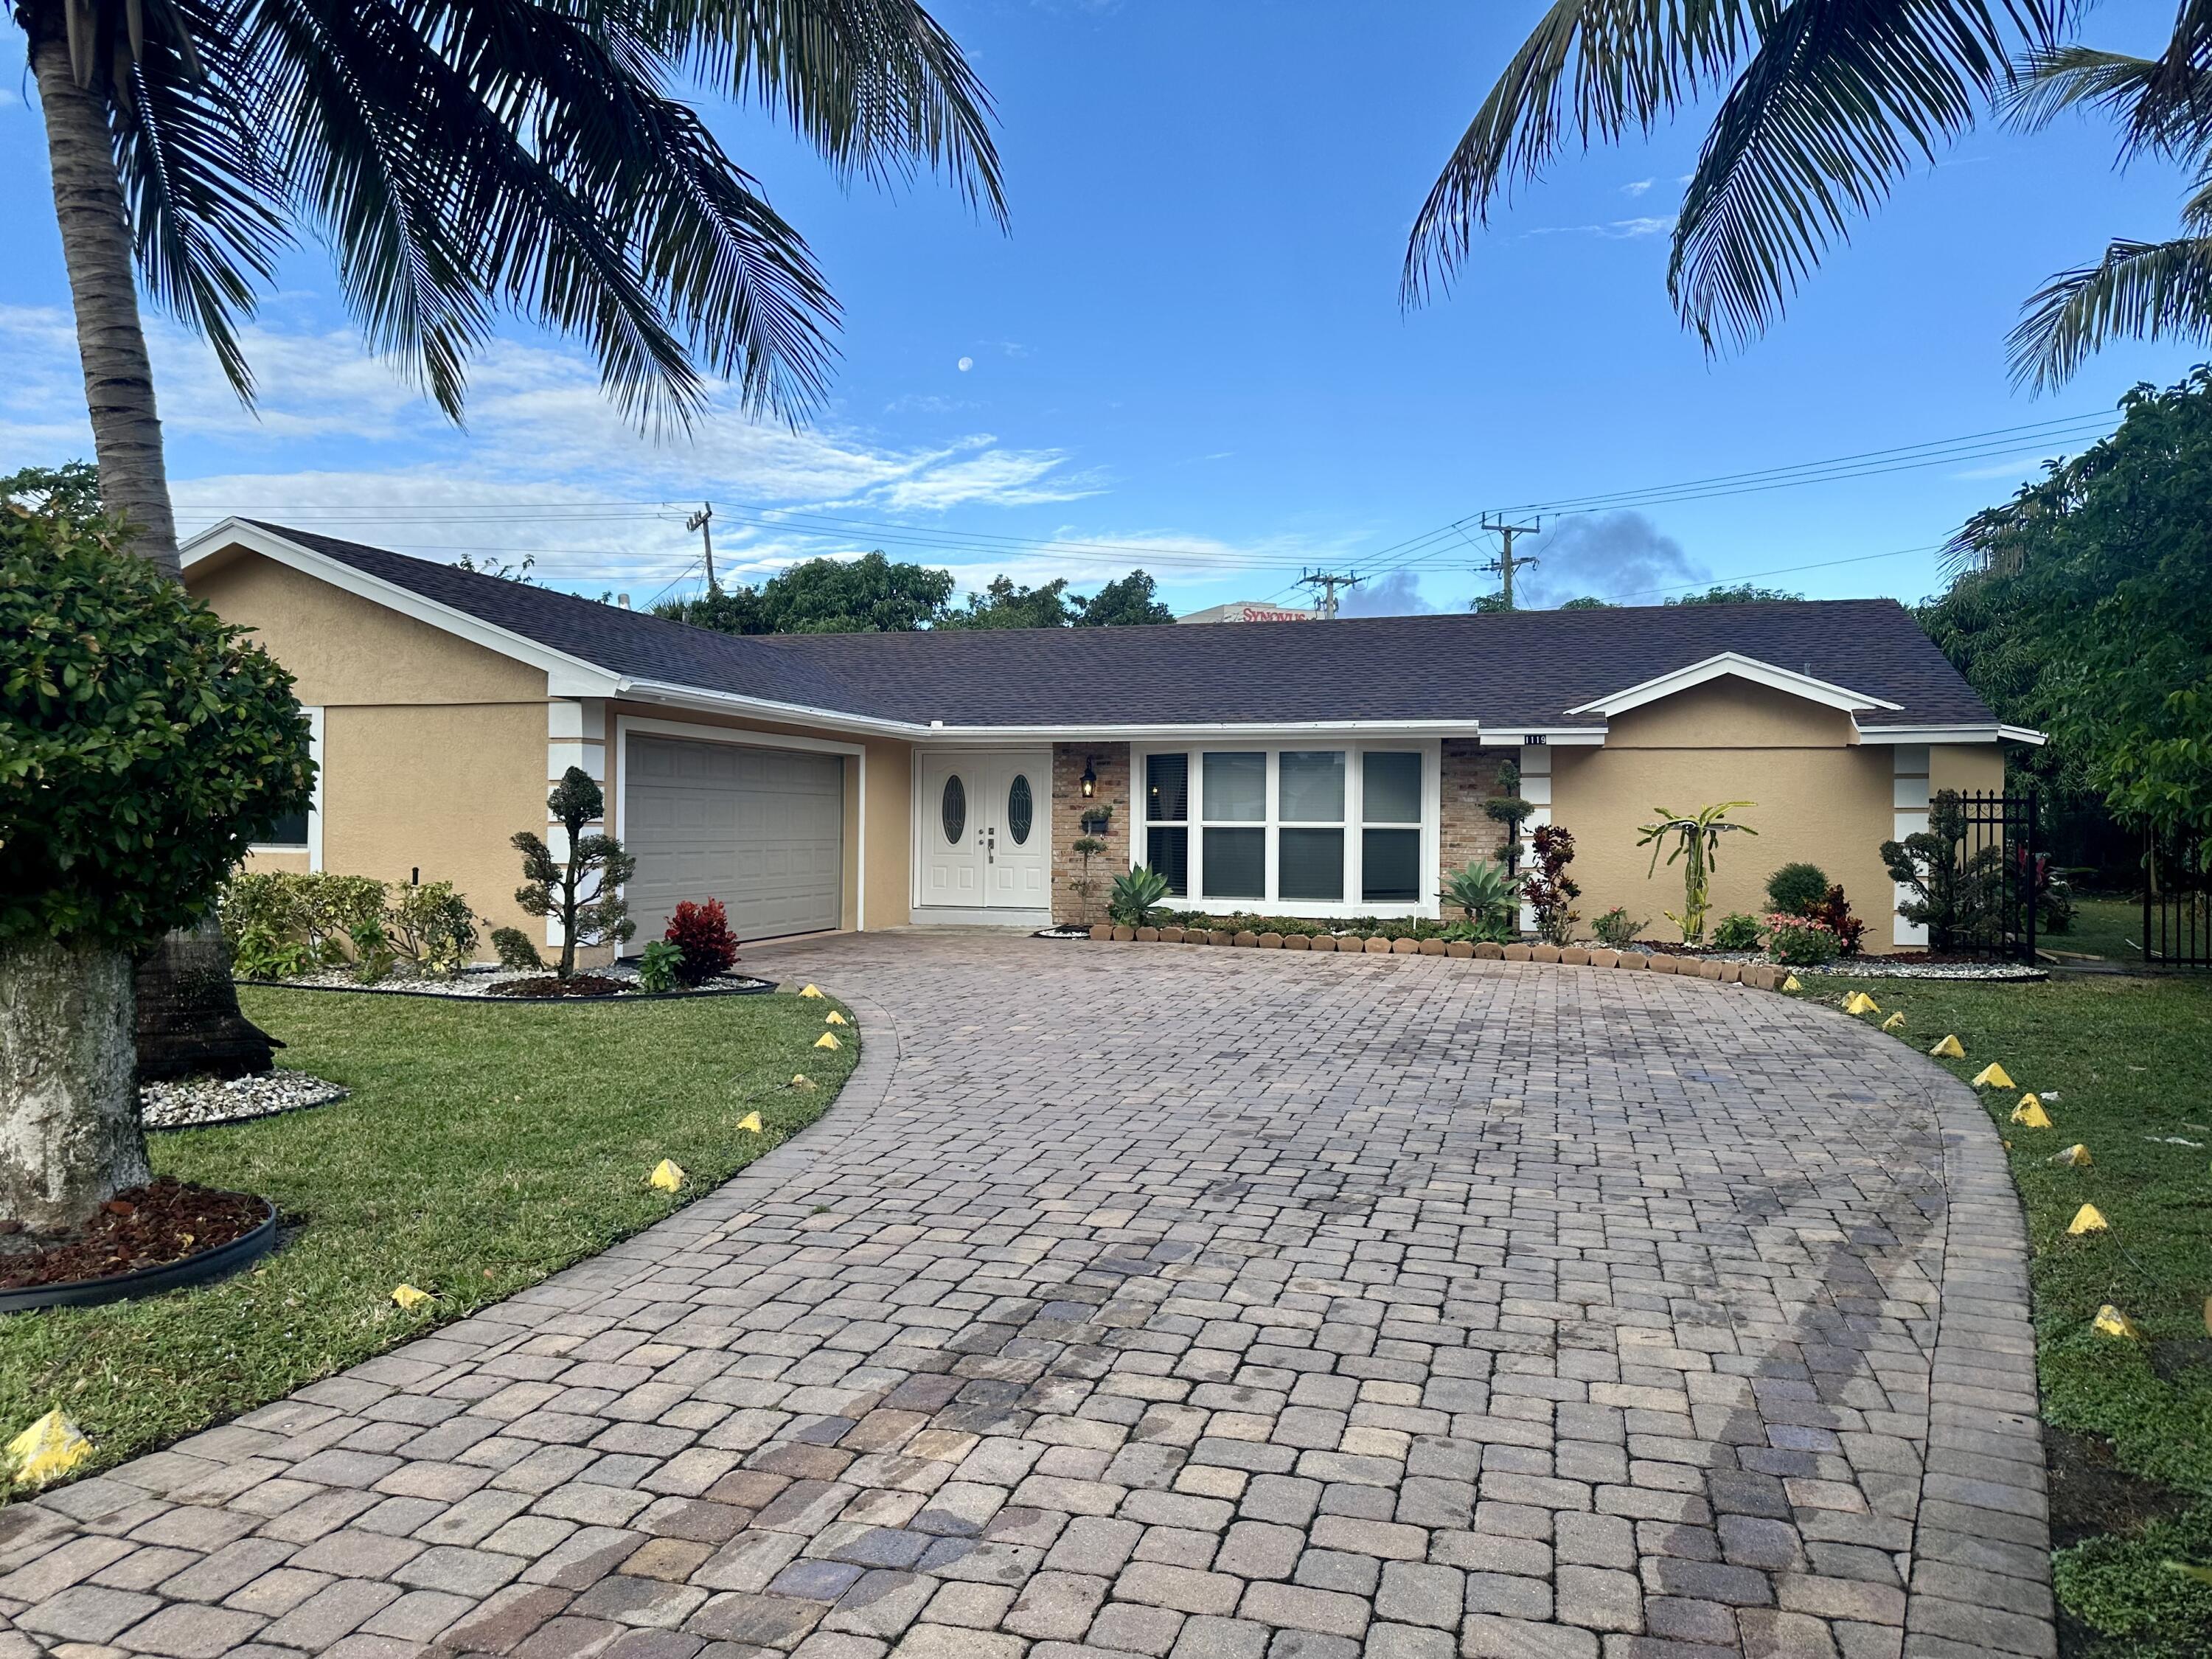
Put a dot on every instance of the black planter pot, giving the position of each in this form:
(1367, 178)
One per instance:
(149, 1281)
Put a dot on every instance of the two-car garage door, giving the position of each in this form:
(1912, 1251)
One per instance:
(761, 829)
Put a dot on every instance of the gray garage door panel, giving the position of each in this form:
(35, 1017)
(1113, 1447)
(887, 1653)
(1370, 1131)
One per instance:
(761, 829)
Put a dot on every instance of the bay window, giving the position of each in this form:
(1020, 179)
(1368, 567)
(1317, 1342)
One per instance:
(1344, 831)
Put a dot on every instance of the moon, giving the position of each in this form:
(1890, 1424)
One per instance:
(965, 364)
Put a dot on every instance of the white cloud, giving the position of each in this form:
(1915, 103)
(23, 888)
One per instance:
(1637, 187)
(1612, 229)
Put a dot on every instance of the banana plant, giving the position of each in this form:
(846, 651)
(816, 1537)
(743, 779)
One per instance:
(1697, 838)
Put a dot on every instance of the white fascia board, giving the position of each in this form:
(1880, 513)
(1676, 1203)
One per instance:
(1200, 730)
(1553, 737)
(790, 713)
(566, 676)
(1733, 663)
(1986, 733)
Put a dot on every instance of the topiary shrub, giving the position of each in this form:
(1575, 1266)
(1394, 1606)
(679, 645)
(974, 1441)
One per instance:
(144, 745)
(1795, 889)
(584, 891)
(701, 933)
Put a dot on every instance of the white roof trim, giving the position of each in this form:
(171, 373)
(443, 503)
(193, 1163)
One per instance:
(1742, 667)
(1994, 732)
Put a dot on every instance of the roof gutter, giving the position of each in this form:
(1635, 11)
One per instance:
(1995, 731)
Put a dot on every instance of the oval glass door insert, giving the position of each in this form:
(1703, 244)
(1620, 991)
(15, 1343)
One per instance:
(952, 811)
(1021, 810)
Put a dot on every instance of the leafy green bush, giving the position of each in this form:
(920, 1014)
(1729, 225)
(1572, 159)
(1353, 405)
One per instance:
(658, 965)
(1617, 930)
(144, 743)
(1795, 889)
(515, 950)
(1802, 942)
(1136, 895)
(315, 912)
(431, 927)
(1736, 932)
(372, 957)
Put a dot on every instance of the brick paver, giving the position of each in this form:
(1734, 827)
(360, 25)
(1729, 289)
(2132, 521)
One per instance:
(1186, 1303)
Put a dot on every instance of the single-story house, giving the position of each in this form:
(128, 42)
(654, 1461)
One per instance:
(846, 781)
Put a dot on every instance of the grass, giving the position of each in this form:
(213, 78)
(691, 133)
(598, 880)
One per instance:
(2124, 1066)
(2107, 927)
(485, 1146)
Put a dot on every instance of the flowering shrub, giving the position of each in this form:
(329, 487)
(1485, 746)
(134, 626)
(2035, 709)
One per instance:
(702, 932)
(1802, 942)
(1551, 892)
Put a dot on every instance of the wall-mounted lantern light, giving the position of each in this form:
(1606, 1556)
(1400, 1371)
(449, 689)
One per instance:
(1090, 781)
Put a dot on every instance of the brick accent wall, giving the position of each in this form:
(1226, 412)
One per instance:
(1470, 778)
(1110, 761)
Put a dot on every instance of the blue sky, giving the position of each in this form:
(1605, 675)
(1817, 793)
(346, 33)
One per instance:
(1188, 353)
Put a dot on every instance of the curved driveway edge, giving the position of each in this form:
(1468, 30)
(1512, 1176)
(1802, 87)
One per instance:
(1201, 1304)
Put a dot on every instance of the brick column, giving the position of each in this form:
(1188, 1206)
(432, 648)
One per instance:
(1110, 761)
(1470, 778)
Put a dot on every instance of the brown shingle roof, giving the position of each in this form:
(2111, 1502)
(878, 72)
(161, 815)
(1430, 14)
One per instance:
(1517, 669)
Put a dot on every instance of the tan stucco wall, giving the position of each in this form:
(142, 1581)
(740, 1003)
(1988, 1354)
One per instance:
(344, 649)
(1818, 796)
(1966, 767)
(887, 870)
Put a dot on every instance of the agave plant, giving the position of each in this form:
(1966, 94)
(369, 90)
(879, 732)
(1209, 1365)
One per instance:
(1136, 896)
(1483, 890)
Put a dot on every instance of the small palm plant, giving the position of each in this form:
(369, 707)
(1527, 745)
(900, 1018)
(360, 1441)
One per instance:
(1697, 844)
(1136, 896)
(1484, 892)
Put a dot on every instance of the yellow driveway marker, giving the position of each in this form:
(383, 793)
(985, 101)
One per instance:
(1948, 1048)
(835, 1018)
(1895, 1022)
(811, 991)
(2087, 1220)
(408, 1297)
(750, 1121)
(667, 1174)
(2110, 1322)
(800, 1080)
(48, 1450)
(1792, 983)
(1860, 1003)
(2030, 1114)
(1994, 1076)
(2076, 1157)
(827, 1040)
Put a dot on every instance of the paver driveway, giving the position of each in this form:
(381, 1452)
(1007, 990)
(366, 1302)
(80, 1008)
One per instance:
(1196, 1303)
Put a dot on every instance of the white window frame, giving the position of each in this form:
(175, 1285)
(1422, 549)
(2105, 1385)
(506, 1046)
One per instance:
(313, 845)
(1431, 753)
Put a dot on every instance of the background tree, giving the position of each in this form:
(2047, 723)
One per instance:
(1130, 602)
(1824, 106)
(867, 595)
(1739, 593)
(1003, 604)
(582, 891)
(144, 744)
(2083, 606)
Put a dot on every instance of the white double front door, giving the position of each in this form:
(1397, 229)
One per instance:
(987, 830)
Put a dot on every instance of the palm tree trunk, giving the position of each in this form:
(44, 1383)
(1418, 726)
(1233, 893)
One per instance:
(119, 382)
(188, 1016)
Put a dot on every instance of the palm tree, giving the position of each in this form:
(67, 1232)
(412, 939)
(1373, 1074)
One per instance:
(1825, 106)
(462, 160)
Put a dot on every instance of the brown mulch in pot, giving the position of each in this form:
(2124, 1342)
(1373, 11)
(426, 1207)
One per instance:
(165, 1220)
(576, 985)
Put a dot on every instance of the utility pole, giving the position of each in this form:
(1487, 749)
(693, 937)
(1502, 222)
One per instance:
(704, 522)
(1505, 564)
(1328, 583)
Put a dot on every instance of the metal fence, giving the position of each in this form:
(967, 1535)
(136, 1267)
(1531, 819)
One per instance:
(2177, 918)
(1976, 875)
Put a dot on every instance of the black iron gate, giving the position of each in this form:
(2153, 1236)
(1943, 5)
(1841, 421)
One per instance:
(2176, 918)
(1981, 875)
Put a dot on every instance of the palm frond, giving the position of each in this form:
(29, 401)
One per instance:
(874, 85)
(2139, 290)
(1840, 98)
(1590, 70)
(2163, 104)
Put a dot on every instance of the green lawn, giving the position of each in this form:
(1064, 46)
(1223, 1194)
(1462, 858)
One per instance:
(2106, 927)
(2128, 1061)
(485, 1146)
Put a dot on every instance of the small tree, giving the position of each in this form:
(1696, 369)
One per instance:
(1697, 848)
(144, 744)
(1954, 893)
(1549, 890)
(1087, 847)
(1507, 809)
(585, 893)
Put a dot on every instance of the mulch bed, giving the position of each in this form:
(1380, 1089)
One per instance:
(149, 1226)
(577, 985)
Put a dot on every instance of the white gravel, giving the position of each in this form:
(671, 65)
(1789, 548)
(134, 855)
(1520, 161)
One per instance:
(475, 981)
(196, 1102)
